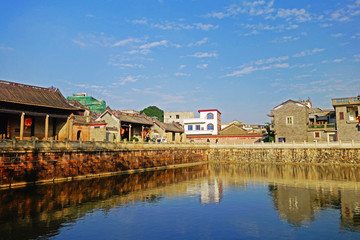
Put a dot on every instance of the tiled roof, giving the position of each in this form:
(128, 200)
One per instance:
(170, 127)
(31, 95)
(131, 118)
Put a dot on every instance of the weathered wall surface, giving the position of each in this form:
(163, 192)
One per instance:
(287, 155)
(31, 166)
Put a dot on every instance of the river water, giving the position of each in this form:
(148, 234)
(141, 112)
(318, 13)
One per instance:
(211, 201)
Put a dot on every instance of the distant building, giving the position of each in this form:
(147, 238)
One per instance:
(93, 104)
(177, 117)
(209, 123)
(298, 121)
(235, 122)
(347, 118)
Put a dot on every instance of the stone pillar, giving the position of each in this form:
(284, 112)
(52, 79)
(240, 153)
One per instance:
(183, 138)
(177, 137)
(46, 127)
(22, 123)
(169, 137)
(118, 137)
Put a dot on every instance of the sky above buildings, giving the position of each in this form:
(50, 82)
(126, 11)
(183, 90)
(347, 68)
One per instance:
(241, 57)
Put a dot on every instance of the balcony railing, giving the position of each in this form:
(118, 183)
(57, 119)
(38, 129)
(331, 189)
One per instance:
(322, 126)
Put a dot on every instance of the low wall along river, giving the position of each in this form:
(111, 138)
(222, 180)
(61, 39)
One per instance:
(27, 162)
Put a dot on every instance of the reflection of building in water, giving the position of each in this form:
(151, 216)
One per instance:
(296, 205)
(210, 190)
(350, 210)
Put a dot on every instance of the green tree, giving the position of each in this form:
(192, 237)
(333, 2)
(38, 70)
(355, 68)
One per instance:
(153, 111)
(270, 133)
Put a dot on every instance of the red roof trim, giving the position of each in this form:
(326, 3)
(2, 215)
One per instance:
(210, 110)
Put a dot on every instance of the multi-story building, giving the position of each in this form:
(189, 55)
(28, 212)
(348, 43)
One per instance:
(298, 121)
(94, 105)
(209, 123)
(177, 117)
(347, 118)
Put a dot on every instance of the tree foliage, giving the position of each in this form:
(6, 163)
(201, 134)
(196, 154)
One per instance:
(270, 133)
(153, 111)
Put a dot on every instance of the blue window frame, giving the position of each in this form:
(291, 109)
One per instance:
(190, 128)
(210, 126)
(197, 127)
(210, 116)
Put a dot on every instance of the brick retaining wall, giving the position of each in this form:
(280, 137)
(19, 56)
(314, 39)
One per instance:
(32, 166)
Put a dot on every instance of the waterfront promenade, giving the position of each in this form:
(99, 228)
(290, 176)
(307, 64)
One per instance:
(25, 162)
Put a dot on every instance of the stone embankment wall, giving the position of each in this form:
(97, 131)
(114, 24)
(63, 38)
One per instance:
(29, 166)
(287, 155)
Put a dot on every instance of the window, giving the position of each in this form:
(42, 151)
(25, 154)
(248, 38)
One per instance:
(197, 127)
(210, 116)
(317, 134)
(177, 116)
(341, 115)
(190, 128)
(289, 120)
(210, 126)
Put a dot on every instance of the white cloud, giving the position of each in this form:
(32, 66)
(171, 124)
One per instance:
(338, 60)
(198, 43)
(126, 42)
(202, 66)
(179, 74)
(182, 67)
(89, 86)
(127, 79)
(336, 35)
(154, 44)
(139, 21)
(309, 52)
(5, 48)
(204, 54)
(205, 27)
(250, 69)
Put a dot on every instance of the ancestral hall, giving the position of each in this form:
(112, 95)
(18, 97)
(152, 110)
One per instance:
(30, 111)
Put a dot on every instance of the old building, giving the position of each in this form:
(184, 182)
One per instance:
(290, 120)
(169, 131)
(297, 121)
(30, 111)
(177, 117)
(347, 118)
(209, 123)
(123, 125)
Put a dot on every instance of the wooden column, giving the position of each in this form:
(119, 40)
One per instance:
(46, 127)
(22, 121)
(129, 132)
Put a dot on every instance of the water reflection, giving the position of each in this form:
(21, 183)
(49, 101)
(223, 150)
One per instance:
(299, 194)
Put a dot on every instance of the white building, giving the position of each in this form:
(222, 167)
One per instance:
(209, 123)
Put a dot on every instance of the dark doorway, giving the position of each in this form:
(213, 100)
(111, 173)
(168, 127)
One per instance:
(3, 126)
(78, 135)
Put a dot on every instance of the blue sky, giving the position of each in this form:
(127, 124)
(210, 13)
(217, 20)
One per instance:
(241, 57)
